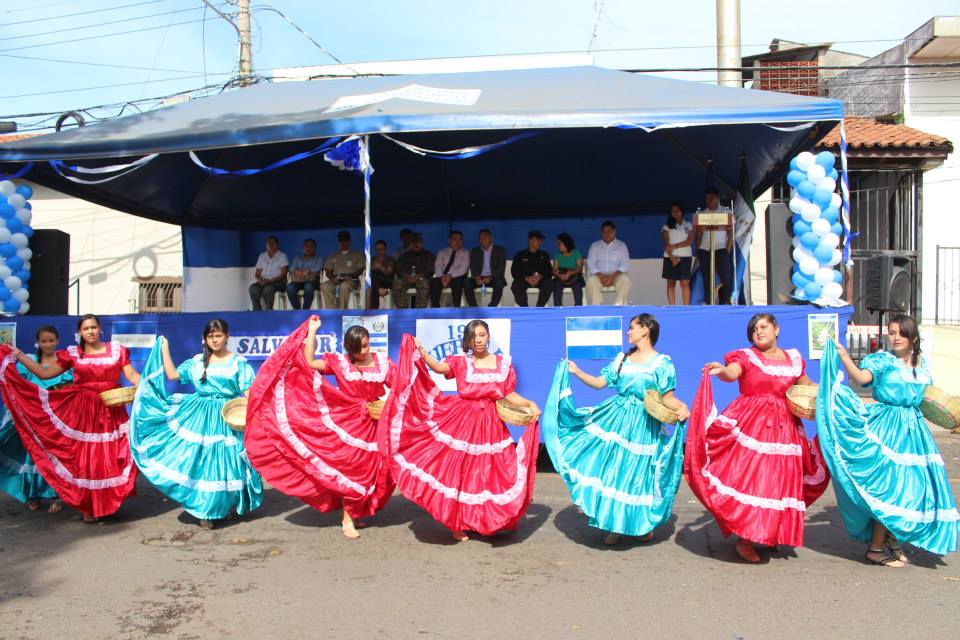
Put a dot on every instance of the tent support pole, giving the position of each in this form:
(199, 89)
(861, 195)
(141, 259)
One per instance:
(367, 231)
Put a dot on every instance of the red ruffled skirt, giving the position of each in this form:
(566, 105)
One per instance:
(453, 456)
(752, 466)
(78, 443)
(311, 441)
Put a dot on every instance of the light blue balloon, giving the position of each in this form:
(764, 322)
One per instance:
(838, 277)
(4, 293)
(834, 175)
(25, 191)
(801, 227)
(795, 177)
(799, 280)
(822, 197)
(823, 253)
(825, 159)
(812, 290)
(793, 163)
(830, 214)
(11, 305)
(836, 228)
(810, 240)
(806, 189)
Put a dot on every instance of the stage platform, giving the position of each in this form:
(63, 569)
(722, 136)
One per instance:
(536, 338)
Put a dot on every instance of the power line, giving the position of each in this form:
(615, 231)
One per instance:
(93, 64)
(81, 13)
(266, 7)
(104, 35)
(37, 8)
(105, 86)
(101, 24)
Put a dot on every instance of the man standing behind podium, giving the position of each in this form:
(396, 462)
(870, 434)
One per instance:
(344, 268)
(608, 262)
(450, 270)
(723, 244)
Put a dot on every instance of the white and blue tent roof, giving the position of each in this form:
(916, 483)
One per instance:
(598, 142)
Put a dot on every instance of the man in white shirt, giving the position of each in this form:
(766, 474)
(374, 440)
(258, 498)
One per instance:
(271, 276)
(608, 262)
(723, 243)
(450, 270)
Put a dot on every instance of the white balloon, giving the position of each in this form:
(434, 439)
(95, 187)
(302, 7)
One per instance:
(24, 215)
(796, 204)
(800, 253)
(5, 272)
(832, 291)
(24, 254)
(805, 160)
(793, 193)
(795, 242)
(24, 307)
(815, 174)
(837, 257)
(810, 212)
(823, 276)
(831, 239)
(7, 188)
(16, 201)
(19, 240)
(5, 234)
(21, 295)
(820, 227)
(808, 266)
(836, 200)
(829, 184)
(12, 282)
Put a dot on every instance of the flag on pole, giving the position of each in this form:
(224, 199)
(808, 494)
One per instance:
(744, 217)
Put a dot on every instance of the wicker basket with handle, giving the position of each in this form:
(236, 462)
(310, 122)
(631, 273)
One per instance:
(513, 414)
(802, 400)
(375, 408)
(235, 414)
(117, 397)
(940, 408)
(655, 407)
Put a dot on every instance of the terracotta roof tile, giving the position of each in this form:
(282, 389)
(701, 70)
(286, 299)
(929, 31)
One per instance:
(867, 133)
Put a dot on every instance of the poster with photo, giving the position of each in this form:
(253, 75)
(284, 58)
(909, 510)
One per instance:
(8, 333)
(821, 329)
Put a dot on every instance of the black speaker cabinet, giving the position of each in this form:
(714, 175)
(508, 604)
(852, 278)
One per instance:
(779, 254)
(889, 282)
(49, 272)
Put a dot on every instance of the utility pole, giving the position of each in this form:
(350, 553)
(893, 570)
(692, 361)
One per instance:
(728, 43)
(246, 51)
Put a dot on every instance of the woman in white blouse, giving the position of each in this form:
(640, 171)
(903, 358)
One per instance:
(677, 254)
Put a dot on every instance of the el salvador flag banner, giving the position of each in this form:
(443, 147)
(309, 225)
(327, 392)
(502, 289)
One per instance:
(594, 338)
(744, 216)
(138, 337)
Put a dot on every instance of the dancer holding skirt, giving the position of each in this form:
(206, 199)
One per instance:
(78, 443)
(182, 444)
(452, 455)
(318, 442)
(19, 476)
(888, 475)
(619, 462)
(752, 466)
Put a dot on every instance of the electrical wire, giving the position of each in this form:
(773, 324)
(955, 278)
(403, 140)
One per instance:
(82, 13)
(101, 24)
(104, 35)
(267, 7)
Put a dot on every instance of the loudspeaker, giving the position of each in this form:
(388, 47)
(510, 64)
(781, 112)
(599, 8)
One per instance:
(49, 272)
(888, 283)
(779, 254)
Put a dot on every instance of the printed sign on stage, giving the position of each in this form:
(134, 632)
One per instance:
(442, 338)
(8, 333)
(262, 347)
(138, 337)
(821, 329)
(594, 338)
(376, 326)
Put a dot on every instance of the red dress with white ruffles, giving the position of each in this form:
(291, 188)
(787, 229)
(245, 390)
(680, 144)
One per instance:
(452, 455)
(752, 465)
(78, 443)
(314, 441)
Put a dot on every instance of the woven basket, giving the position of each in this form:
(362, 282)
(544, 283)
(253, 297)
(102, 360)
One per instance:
(940, 408)
(117, 397)
(235, 414)
(656, 408)
(802, 400)
(512, 414)
(375, 408)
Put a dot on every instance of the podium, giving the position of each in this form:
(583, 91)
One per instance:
(711, 221)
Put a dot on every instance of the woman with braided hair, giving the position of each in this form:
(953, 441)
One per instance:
(180, 441)
(888, 474)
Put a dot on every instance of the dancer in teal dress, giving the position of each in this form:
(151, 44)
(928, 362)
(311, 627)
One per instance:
(19, 477)
(181, 443)
(890, 480)
(621, 465)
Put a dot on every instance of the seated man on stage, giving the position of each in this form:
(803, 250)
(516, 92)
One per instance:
(343, 268)
(271, 275)
(532, 269)
(488, 266)
(450, 270)
(413, 271)
(723, 245)
(608, 262)
(382, 270)
(304, 271)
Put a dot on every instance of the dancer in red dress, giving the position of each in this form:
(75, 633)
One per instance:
(453, 455)
(317, 442)
(79, 444)
(752, 466)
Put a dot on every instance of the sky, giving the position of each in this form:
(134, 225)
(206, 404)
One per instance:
(60, 55)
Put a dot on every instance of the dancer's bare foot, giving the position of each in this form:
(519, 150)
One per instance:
(89, 519)
(56, 506)
(460, 536)
(206, 524)
(646, 537)
(349, 530)
(746, 551)
(612, 539)
(33, 505)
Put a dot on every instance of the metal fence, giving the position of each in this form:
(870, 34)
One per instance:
(947, 298)
(158, 296)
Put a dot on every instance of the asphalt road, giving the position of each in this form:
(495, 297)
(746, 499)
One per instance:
(286, 572)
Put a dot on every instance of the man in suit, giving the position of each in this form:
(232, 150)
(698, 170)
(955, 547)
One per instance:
(488, 264)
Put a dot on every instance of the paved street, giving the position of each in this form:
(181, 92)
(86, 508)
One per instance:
(286, 572)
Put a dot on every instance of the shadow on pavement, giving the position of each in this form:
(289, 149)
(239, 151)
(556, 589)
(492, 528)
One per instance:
(573, 524)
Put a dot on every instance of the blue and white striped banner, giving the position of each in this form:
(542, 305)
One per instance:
(594, 338)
